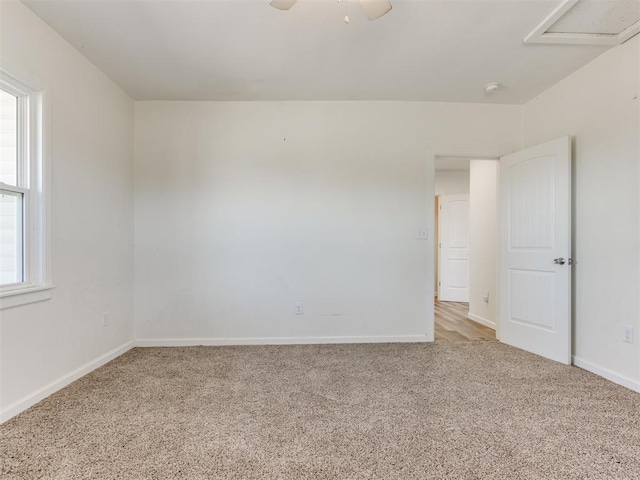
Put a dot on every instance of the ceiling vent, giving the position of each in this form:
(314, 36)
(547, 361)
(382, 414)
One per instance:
(589, 22)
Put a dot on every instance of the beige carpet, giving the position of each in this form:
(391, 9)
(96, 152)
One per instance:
(466, 410)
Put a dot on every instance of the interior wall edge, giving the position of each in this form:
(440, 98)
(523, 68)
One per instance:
(607, 374)
(58, 384)
(481, 320)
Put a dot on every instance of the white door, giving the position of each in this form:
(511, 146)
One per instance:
(454, 248)
(535, 249)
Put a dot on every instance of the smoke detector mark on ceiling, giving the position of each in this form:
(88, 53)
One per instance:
(492, 87)
(589, 22)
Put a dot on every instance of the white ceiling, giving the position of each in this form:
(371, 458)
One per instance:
(452, 164)
(425, 50)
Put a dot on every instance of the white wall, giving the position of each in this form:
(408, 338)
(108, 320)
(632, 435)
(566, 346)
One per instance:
(598, 106)
(483, 237)
(46, 344)
(244, 209)
(451, 183)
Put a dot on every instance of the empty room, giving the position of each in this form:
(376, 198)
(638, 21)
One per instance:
(319, 239)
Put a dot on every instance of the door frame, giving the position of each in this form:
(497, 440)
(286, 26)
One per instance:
(432, 256)
(431, 253)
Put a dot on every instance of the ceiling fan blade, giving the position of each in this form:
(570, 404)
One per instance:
(376, 8)
(282, 4)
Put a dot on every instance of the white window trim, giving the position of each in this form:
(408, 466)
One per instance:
(38, 283)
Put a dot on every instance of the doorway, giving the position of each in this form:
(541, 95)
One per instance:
(466, 269)
(531, 243)
(453, 325)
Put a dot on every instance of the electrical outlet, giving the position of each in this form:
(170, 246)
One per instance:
(422, 235)
(485, 297)
(299, 308)
(105, 319)
(627, 334)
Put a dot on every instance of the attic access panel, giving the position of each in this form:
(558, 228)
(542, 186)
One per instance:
(589, 22)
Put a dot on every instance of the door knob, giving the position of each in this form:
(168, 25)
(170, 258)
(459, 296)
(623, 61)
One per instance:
(558, 261)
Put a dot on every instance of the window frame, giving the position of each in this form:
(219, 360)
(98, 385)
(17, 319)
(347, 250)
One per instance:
(24, 211)
(33, 182)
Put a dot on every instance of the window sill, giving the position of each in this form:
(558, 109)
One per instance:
(25, 295)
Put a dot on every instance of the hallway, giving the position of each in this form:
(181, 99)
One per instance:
(452, 324)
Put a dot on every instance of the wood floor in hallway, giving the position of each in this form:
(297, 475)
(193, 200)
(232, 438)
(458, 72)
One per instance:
(452, 324)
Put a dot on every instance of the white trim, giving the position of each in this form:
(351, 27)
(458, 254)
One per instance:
(25, 295)
(33, 398)
(608, 374)
(14, 189)
(540, 34)
(192, 342)
(481, 320)
(637, 101)
(14, 85)
(36, 181)
(549, 20)
(430, 250)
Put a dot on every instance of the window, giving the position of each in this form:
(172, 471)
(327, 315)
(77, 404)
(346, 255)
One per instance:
(24, 234)
(13, 195)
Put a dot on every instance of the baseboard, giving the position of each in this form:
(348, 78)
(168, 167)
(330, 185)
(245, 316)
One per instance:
(481, 320)
(608, 374)
(191, 342)
(30, 400)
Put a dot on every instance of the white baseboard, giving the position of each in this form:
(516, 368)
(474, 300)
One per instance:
(608, 374)
(33, 398)
(481, 320)
(192, 342)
